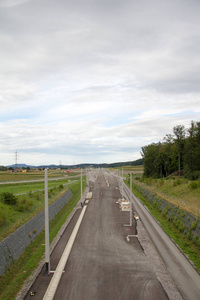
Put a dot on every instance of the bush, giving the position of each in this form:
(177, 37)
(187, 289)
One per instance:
(8, 198)
(2, 218)
(192, 175)
(177, 182)
(24, 205)
(194, 225)
(161, 182)
(193, 185)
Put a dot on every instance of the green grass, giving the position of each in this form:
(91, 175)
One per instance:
(28, 205)
(12, 281)
(18, 188)
(134, 169)
(187, 246)
(178, 191)
(31, 175)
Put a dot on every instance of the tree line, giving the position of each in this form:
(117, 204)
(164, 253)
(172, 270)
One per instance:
(178, 153)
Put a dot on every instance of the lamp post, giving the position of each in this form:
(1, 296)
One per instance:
(122, 183)
(81, 184)
(131, 205)
(47, 260)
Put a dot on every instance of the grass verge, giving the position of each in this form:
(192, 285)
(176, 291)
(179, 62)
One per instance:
(12, 281)
(188, 248)
(28, 205)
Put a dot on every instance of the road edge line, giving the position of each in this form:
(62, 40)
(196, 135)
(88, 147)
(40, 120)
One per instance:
(51, 290)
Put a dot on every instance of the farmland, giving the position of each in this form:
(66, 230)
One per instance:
(6, 176)
(28, 196)
(21, 269)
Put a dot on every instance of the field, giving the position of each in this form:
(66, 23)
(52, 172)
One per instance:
(28, 196)
(176, 190)
(7, 176)
(135, 170)
(20, 270)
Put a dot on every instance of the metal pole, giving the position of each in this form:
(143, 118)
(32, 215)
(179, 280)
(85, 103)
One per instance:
(81, 185)
(87, 177)
(122, 184)
(47, 260)
(131, 205)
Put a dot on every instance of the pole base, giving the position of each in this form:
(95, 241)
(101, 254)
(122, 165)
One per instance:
(46, 268)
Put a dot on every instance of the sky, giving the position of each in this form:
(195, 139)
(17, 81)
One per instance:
(93, 81)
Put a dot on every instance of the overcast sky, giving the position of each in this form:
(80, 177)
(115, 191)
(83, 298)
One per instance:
(95, 80)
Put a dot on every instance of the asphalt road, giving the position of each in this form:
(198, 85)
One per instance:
(103, 265)
(185, 277)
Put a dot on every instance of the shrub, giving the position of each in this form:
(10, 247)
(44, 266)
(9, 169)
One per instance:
(196, 239)
(61, 186)
(9, 198)
(161, 182)
(193, 185)
(24, 205)
(194, 225)
(192, 175)
(181, 226)
(2, 218)
(176, 182)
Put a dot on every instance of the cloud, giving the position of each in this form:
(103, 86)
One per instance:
(95, 80)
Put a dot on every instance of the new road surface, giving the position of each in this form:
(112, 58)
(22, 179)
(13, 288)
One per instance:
(100, 256)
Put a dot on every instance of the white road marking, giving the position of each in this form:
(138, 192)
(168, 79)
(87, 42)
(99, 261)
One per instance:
(51, 290)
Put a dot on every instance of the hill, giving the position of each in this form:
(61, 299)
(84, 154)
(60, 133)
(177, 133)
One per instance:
(85, 165)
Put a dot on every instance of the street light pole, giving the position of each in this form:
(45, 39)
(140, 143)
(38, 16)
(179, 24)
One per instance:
(131, 205)
(47, 260)
(122, 184)
(81, 184)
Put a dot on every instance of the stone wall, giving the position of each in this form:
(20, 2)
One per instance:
(184, 221)
(14, 245)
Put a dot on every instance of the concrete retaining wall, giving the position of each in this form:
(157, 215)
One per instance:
(184, 221)
(14, 245)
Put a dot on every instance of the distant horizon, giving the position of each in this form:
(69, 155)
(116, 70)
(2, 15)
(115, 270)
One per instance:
(69, 165)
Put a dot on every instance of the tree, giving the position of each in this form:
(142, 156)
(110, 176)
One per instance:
(170, 155)
(176, 152)
(2, 168)
(192, 152)
(152, 160)
(179, 132)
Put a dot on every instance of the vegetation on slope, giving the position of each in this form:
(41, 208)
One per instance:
(179, 191)
(12, 281)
